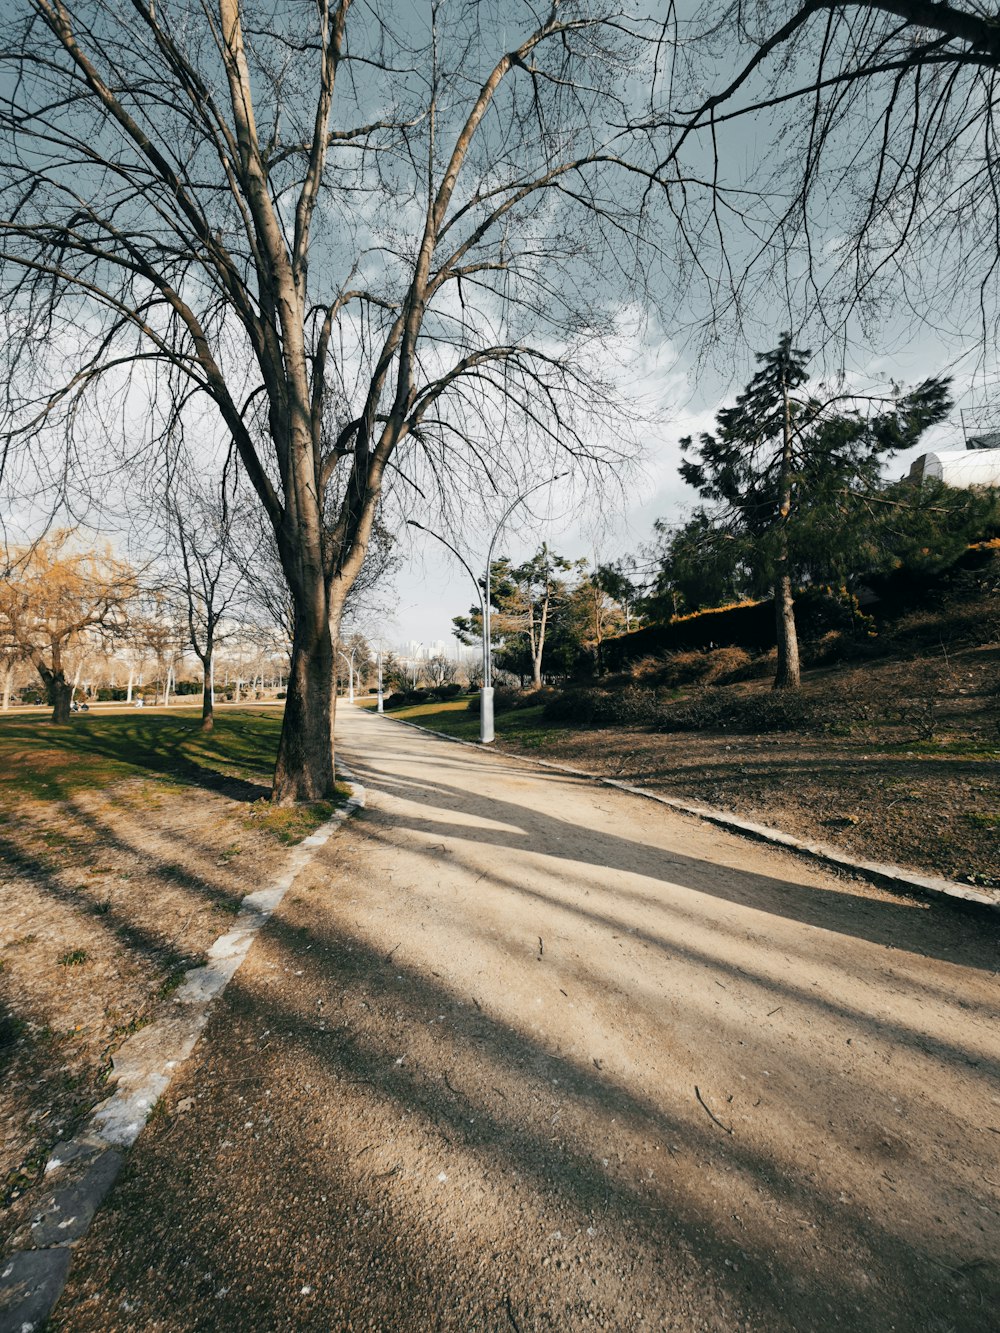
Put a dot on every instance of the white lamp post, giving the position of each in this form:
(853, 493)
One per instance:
(486, 733)
(350, 672)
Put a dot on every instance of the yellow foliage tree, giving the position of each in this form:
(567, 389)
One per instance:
(53, 599)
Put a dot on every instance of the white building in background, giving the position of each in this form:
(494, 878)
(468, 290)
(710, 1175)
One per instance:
(959, 467)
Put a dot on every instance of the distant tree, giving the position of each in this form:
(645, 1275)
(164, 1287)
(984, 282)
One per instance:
(602, 604)
(355, 658)
(926, 527)
(394, 673)
(157, 626)
(12, 663)
(525, 600)
(700, 564)
(786, 466)
(618, 581)
(214, 540)
(442, 670)
(52, 599)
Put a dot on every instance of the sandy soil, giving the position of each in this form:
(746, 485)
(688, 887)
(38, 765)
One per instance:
(520, 1053)
(901, 763)
(107, 897)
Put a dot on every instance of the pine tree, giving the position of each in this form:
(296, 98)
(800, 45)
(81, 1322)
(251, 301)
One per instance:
(787, 467)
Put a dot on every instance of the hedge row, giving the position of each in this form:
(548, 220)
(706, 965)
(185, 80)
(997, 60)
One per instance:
(636, 706)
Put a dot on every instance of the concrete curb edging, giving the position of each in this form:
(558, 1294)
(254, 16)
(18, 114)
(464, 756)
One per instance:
(84, 1169)
(894, 876)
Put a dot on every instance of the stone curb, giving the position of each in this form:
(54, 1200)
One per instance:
(895, 877)
(84, 1169)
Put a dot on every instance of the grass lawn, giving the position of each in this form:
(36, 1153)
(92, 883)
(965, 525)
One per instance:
(524, 725)
(45, 762)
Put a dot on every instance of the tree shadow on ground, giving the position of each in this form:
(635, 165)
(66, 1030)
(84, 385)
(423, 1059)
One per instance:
(169, 746)
(353, 1216)
(960, 934)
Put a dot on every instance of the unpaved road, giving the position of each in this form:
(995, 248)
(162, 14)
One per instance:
(522, 1053)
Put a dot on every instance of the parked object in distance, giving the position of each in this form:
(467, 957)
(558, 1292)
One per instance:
(959, 467)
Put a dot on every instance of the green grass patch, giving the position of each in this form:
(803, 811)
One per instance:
(984, 820)
(48, 762)
(75, 958)
(524, 725)
(946, 747)
(291, 823)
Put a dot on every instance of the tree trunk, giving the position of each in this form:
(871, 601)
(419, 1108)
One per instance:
(128, 695)
(304, 771)
(787, 677)
(207, 702)
(7, 681)
(60, 693)
(536, 656)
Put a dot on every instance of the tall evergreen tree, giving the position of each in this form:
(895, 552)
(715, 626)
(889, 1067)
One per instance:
(787, 466)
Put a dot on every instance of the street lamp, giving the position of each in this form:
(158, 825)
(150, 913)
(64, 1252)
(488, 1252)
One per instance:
(350, 672)
(486, 733)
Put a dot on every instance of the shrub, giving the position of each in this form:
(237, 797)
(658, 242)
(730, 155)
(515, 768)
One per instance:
(450, 691)
(571, 706)
(504, 699)
(633, 706)
(684, 668)
(531, 698)
(646, 668)
(725, 664)
(783, 710)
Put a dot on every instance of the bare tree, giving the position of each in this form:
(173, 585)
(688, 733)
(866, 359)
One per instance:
(370, 238)
(211, 543)
(874, 176)
(156, 627)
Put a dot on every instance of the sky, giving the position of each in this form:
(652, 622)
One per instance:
(430, 587)
(679, 393)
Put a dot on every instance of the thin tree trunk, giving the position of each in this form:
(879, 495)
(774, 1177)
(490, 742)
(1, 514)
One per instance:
(304, 771)
(7, 682)
(536, 656)
(787, 676)
(128, 696)
(166, 688)
(207, 696)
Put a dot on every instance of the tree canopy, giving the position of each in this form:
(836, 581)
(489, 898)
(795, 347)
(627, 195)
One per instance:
(372, 241)
(787, 468)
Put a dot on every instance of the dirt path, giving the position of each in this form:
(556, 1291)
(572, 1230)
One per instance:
(519, 1053)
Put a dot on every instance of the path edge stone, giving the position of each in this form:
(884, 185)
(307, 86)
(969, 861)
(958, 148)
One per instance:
(84, 1169)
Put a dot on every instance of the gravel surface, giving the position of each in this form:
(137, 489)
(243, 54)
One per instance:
(107, 898)
(521, 1053)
